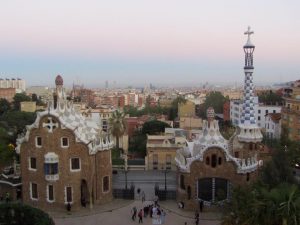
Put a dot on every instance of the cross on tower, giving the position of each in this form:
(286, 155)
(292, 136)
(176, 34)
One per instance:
(248, 32)
(50, 125)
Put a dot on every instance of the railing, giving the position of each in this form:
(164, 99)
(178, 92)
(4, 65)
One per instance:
(164, 145)
(124, 193)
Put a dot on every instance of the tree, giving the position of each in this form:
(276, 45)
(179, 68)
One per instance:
(17, 120)
(117, 126)
(153, 127)
(138, 143)
(17, 213)
(4, 106)
(278, 170)
(213, 99)
(270, 98)
(18, 98)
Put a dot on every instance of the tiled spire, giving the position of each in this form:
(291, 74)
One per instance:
(249, 131)
(248, 113)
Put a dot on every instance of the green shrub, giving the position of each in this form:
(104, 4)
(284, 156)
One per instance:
(16, 213)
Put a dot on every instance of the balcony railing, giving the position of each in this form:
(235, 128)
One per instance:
(52, 177)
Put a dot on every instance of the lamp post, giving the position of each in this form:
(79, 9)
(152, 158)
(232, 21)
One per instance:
(126, 171)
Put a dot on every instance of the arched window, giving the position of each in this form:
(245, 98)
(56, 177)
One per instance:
(220, 160)
(182, 185)
(213, 160)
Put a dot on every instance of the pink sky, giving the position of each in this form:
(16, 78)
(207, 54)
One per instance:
(167, 30)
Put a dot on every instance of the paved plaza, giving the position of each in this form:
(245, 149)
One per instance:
(119, 212)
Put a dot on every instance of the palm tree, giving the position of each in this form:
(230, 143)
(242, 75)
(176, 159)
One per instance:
(117, 126)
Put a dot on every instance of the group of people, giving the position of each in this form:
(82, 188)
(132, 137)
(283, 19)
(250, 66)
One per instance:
(153, 210)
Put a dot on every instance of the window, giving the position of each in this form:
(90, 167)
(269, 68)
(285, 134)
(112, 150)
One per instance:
(248, 177)
(68, 195)
(274, 111)
(182, 185)
(207, 160)
(236, 154)
(155, 161)
(50, 193)
(168, 162)
(33, 191)
(213, 161)
(267, 111)
(189, 192)
(64, 142)
(32, 163)
(51, 168)
(258, 118)
(106, 184)
(75, 164)
(38, 141)
(220, 160)
(259, 111)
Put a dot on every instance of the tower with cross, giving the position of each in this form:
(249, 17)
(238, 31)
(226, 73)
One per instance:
(250, 132)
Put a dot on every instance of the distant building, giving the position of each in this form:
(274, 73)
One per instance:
(187, 109)
(236, 108)
(226, 111)
(273, 125)
(291, 111)
(161, 149)
(190, 124)
(28, 106)
(7, 93)
(18, 84)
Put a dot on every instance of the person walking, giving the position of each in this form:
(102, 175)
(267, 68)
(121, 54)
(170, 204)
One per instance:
(140, 215)
(143, 196)
(134, 211)
(196, 218)
(163, 216)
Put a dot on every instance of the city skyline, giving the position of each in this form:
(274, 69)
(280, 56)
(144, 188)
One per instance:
(138, 43)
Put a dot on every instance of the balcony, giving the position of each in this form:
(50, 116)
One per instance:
(52, 177)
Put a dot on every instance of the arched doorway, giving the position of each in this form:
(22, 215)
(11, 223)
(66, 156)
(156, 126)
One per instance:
(84, 197)
(213, 189)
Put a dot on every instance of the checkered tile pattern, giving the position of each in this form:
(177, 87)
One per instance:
(248, 114)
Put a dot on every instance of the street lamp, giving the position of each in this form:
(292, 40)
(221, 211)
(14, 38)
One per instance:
(126, 170)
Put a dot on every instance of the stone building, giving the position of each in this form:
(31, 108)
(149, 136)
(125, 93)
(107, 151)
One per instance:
(65, 158)
(291, 111)
(161, 149)
(210, 165)
(273, 125)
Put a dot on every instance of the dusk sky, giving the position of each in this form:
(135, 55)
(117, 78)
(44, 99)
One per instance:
(137, 41)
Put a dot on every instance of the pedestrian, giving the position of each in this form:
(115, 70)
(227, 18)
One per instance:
(201, 205)
(196, 218)
(7, 197)
(156, 200)
(143, 196)
(163, 216)
(134, 210)
(151, 210)
(140, 215)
